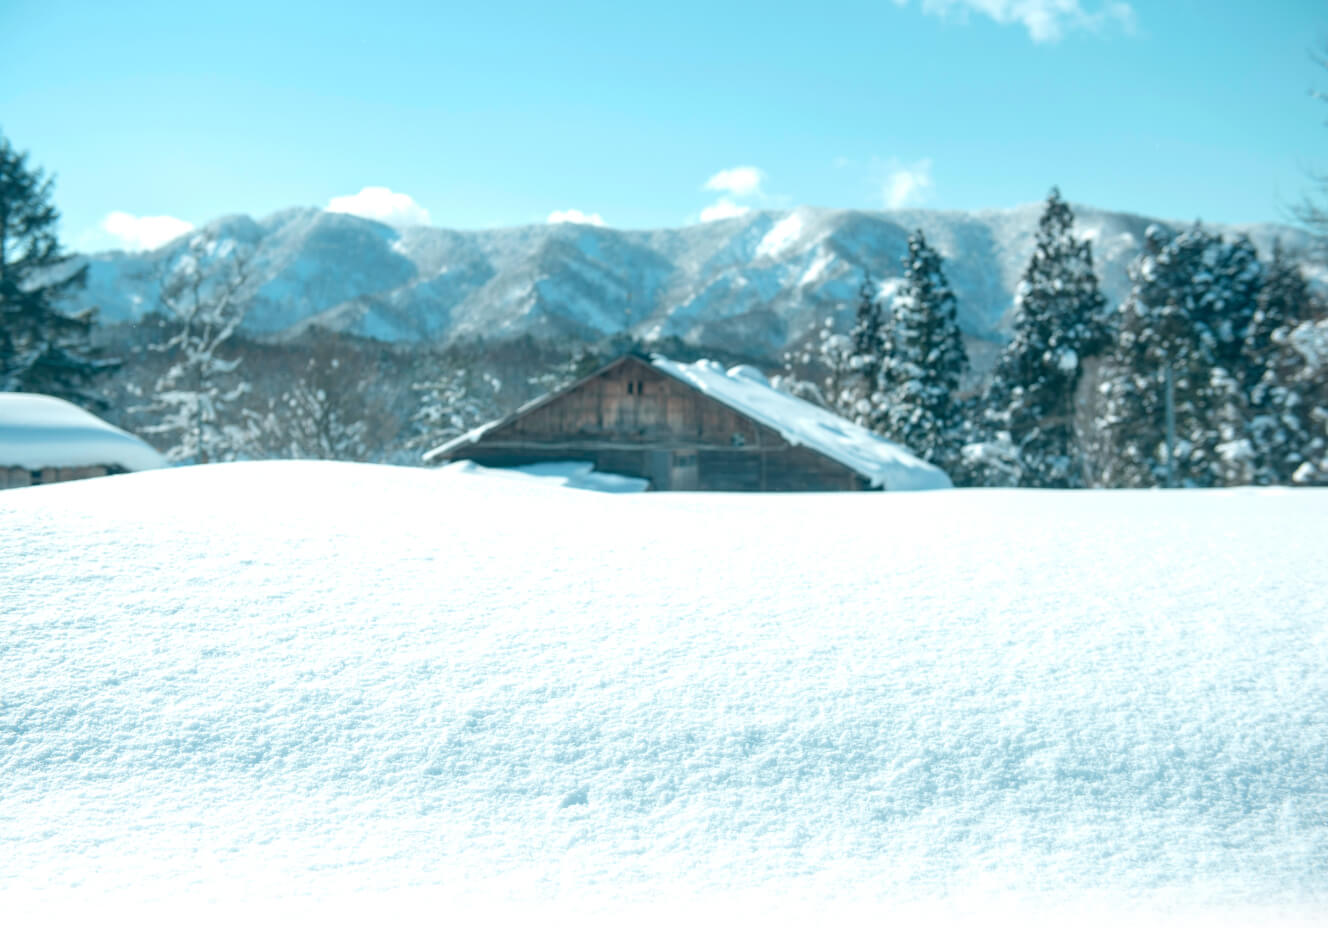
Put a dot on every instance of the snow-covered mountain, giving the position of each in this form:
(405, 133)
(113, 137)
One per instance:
(752, 283)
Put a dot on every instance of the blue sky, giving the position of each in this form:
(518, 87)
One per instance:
(155, 116)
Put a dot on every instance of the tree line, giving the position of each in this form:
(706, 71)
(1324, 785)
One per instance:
(1211, 372)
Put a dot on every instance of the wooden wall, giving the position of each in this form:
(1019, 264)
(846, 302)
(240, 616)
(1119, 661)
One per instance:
(12, 477)
(632, 419)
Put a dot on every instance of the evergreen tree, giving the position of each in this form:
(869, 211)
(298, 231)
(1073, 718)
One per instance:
(919, 378)
(1059, 322)
(1283, 301)
(859, 397)
(202, 296)
(1189, 310)
(42, 349)
(1303, 359)
(1282, 425)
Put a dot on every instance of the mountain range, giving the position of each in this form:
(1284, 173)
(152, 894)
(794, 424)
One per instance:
(752, 284)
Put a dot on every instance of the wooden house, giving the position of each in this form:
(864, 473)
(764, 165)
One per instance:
(48, 440)
(693, 427)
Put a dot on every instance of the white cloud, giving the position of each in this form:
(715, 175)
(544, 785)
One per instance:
(1045, 20)
(724, 209)
(906, 185)
(381, 205)
(141, 233)
(741, 181)
(575, 215)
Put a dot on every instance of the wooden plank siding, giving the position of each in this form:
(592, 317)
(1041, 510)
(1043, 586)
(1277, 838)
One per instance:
(14, 477)
(631, 419)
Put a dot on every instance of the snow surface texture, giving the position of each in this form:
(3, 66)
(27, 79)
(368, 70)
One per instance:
(759, 280)
(39, 431)
(275, 685)
(747, 390)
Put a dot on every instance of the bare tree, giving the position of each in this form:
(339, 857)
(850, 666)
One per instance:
(1312, 211)
(452, 399)
(202, 299)
(323, 406)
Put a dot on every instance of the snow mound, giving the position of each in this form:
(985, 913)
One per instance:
(887, 465)
(353, 688)
(38, 431)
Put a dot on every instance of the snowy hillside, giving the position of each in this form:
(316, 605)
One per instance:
(339, 686)
(756, 281)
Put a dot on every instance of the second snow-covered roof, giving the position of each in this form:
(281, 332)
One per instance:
(38, 431)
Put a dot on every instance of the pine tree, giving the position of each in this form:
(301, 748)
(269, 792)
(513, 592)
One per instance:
(919, 378)
(859, 396)
(1302, 360)
(1282, 426)
(1189, 310)
(202, 296)
(1059, 322)
(42, 349)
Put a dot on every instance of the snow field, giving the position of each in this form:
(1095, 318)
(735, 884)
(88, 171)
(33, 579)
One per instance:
(278, 685)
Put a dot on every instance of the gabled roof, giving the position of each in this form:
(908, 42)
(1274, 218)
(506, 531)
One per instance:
(38, 431)
(745, 390)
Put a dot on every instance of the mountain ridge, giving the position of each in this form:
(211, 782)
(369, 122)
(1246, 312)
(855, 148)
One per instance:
(758, 281)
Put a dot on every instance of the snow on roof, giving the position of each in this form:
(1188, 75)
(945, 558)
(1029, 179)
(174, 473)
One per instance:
(39, 431)
(745, 389)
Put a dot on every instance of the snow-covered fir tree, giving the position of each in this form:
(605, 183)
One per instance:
(859, 396)
(1309, 341)
(42, 348)
(919, 379)
(1189, 309)
(195, 404)
(1059, 322)
(1289, 401)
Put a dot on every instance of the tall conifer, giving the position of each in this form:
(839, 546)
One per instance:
(1059, 322)
(919, 379)
(42, 348)
(1190, 307)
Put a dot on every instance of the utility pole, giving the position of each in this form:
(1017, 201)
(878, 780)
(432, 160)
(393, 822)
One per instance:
(1171, 424)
